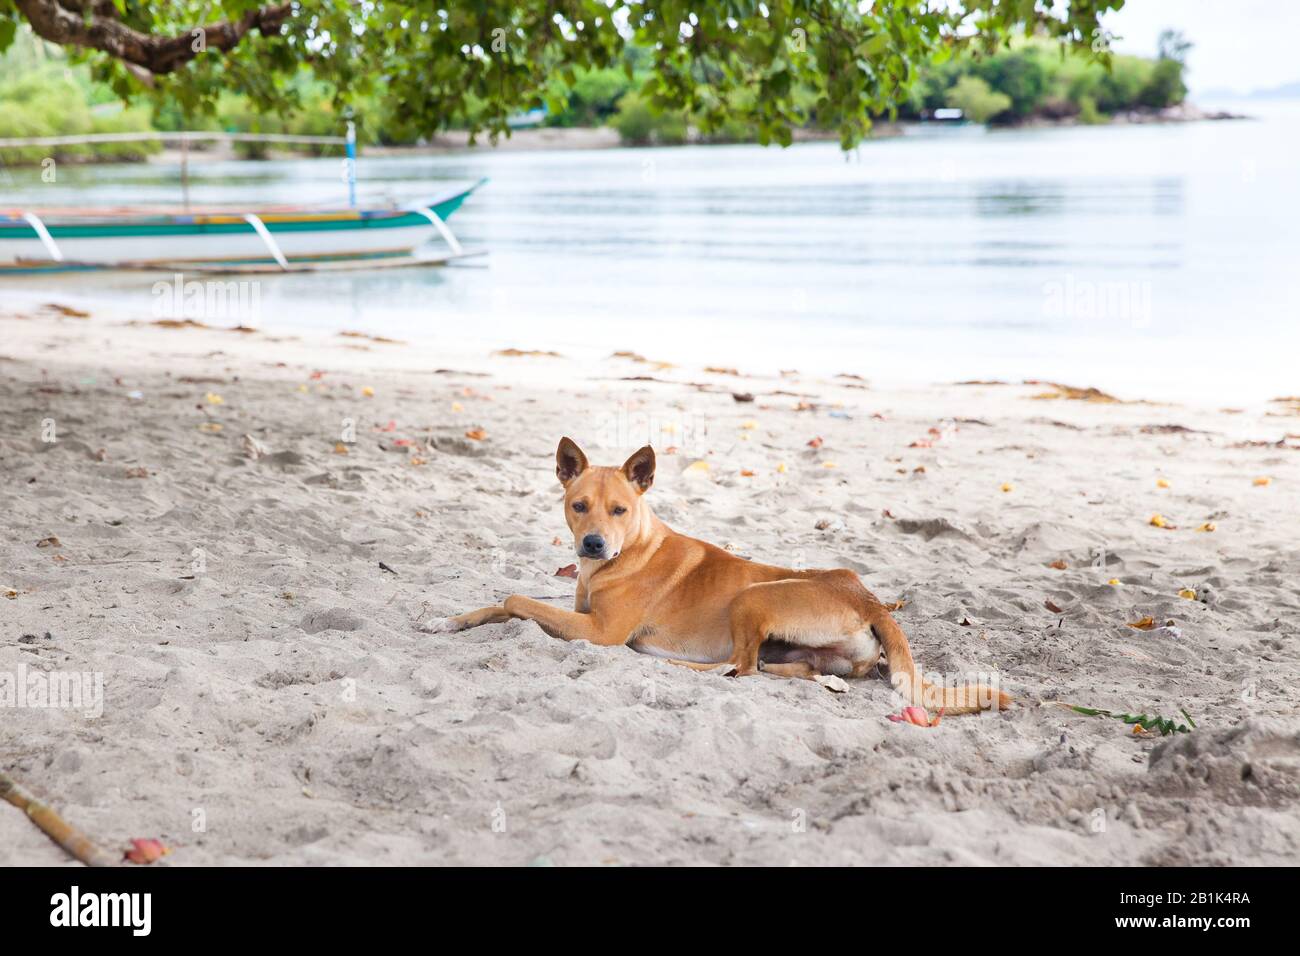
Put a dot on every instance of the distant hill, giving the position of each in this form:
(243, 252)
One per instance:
(1287, 91)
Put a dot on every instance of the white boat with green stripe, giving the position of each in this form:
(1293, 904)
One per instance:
(227, 238)
(134, 236)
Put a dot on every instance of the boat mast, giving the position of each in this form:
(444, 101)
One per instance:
(352, 164)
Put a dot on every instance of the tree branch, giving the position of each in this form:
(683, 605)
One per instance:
(65, 22)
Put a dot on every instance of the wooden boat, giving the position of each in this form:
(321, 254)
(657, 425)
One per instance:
(282, 237)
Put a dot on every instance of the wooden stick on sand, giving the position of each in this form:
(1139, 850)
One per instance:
(53, 825)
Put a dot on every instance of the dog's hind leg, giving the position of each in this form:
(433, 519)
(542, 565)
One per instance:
(798, 669)
(718, 666)
(815, 616)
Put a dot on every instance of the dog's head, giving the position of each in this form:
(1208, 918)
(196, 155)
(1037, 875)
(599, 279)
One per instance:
(602, 505)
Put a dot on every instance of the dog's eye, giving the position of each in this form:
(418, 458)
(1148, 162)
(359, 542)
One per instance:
(620, 510)
(580, 506)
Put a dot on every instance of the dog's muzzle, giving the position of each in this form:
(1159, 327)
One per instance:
(597, 548)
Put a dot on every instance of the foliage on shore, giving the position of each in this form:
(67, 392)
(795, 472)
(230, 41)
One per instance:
(1031, 80)
(46, 97)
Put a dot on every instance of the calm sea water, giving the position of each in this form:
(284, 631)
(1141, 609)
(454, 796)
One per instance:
(1156, 261)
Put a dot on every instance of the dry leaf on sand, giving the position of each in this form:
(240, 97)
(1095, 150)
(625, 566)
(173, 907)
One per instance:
(146, 850)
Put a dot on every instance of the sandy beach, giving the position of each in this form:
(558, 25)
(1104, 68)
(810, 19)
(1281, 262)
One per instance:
(240, 534)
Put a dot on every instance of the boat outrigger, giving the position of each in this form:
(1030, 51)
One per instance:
(288, 238)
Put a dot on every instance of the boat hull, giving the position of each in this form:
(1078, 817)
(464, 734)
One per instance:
(104, 241)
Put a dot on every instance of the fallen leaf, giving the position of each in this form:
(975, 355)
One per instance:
(698, 467)
(1262, 482)
(1052, 606)
(1073, 394)
(746, 473)
(403, 443)
(886, 513)
(670, 450)
(815, 442)
(215, 399)
(50, 542)
(556, 540)
(211, 427)
(749, 425)
(829, 464)
(416, 462)
(568, 571)
(66, 310)
(1162, 483)
(1008, 486)
(1058, 564)
(476, 434)
(1114, 582)
(457, 407)
(340, 448)
(390, 427)
(1145, 624)
(742, 396)
(780, 468)
(146, 851)
(138, 472)
(1187, 593)
(526, 353)
(368, 392)
(1158, 521)
(916, 716)
(1208, 526)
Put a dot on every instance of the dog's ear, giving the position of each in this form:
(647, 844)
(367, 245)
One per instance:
(640, 469)
(570, 462)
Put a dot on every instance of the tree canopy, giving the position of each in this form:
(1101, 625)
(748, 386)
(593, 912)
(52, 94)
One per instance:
(477, 63)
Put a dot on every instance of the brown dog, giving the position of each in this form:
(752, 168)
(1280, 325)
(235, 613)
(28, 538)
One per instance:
(642, 584)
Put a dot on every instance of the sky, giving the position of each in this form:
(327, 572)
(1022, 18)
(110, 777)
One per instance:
(1240, 45)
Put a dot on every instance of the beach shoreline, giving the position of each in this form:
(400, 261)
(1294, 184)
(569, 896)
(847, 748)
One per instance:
(251, 606)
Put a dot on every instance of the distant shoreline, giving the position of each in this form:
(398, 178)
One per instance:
(454, 142)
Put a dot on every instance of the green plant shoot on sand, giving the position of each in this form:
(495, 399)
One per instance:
(1166, 725)
(833, 62)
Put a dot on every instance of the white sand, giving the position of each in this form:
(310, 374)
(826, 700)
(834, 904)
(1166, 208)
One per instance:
(261, 671)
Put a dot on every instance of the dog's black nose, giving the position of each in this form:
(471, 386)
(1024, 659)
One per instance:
(593, 544)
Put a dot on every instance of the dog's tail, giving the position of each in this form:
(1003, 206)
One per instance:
(907, 680)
